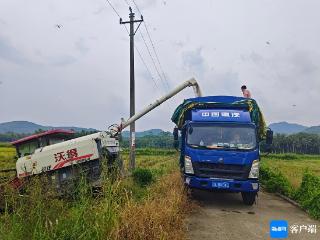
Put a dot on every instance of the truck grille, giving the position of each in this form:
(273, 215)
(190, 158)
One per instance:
(218, 170)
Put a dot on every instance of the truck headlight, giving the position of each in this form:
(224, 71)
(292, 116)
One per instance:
(188, 165)
(254, 172)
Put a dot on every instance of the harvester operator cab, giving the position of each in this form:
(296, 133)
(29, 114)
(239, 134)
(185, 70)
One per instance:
(27, 146)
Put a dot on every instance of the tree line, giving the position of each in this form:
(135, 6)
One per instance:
(163, 140)
(302, 143)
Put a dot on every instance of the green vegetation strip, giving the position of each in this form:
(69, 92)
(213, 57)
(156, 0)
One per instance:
(293, 166)
(307, 194)
(152, 151)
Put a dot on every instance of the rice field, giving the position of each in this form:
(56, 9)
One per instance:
(7, 156)
(292, 166)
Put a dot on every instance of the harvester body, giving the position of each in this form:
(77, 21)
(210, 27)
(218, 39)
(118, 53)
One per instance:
(62, 160)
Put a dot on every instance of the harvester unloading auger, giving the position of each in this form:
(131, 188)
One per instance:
(63, 160)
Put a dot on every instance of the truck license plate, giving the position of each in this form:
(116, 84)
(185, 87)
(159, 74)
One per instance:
(220, 184)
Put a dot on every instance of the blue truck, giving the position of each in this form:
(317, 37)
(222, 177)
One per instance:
(219, 144)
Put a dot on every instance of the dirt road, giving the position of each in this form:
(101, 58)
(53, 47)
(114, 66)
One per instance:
(224, 216)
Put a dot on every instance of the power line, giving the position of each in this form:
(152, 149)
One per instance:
(142, 59)
(113, 8)
(147, 68)
(153, 46)
(154, 49)
(152, 58)
(127, 29)
(134, 2)
(153, 61)
(139, 53)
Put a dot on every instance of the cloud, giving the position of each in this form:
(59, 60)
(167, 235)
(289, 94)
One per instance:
(222, 49)
(99, 10)
(223, 82)
(179, 44)
(194, 62)
(9, 53)
(146, 4)
(304, 62)
(282, 78)
(81, 46)
(253, 57)
(62, 60)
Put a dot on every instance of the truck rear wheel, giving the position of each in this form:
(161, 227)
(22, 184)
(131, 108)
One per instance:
(249, 198)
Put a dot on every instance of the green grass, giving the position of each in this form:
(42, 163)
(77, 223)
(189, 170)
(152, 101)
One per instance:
(293, 166)
(7, 155)
(152, 151)
(5, 144)
(40, 214)
(7, 161)
(295, 176)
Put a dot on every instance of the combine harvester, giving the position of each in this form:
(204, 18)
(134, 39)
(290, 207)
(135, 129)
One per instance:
(63, 159)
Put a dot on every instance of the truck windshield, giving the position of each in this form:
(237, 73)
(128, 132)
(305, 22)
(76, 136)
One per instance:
(221, 136)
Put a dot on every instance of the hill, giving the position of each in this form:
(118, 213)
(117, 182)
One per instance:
(313, 129)
(25, 127)
(30, 127)
(151, 132)
(287, 128)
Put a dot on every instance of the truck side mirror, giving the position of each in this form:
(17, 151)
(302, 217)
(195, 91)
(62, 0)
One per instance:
(176, 138)
(269, 137)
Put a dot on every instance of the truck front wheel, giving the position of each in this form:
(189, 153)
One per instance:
(248, 198)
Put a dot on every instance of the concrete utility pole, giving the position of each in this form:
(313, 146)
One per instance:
(132, 84)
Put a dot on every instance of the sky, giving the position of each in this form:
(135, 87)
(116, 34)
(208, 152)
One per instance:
(66, 63)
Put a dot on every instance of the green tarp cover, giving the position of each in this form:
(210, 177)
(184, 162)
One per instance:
(181, 113)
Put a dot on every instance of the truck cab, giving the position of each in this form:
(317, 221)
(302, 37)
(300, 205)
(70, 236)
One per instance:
(220, 146)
